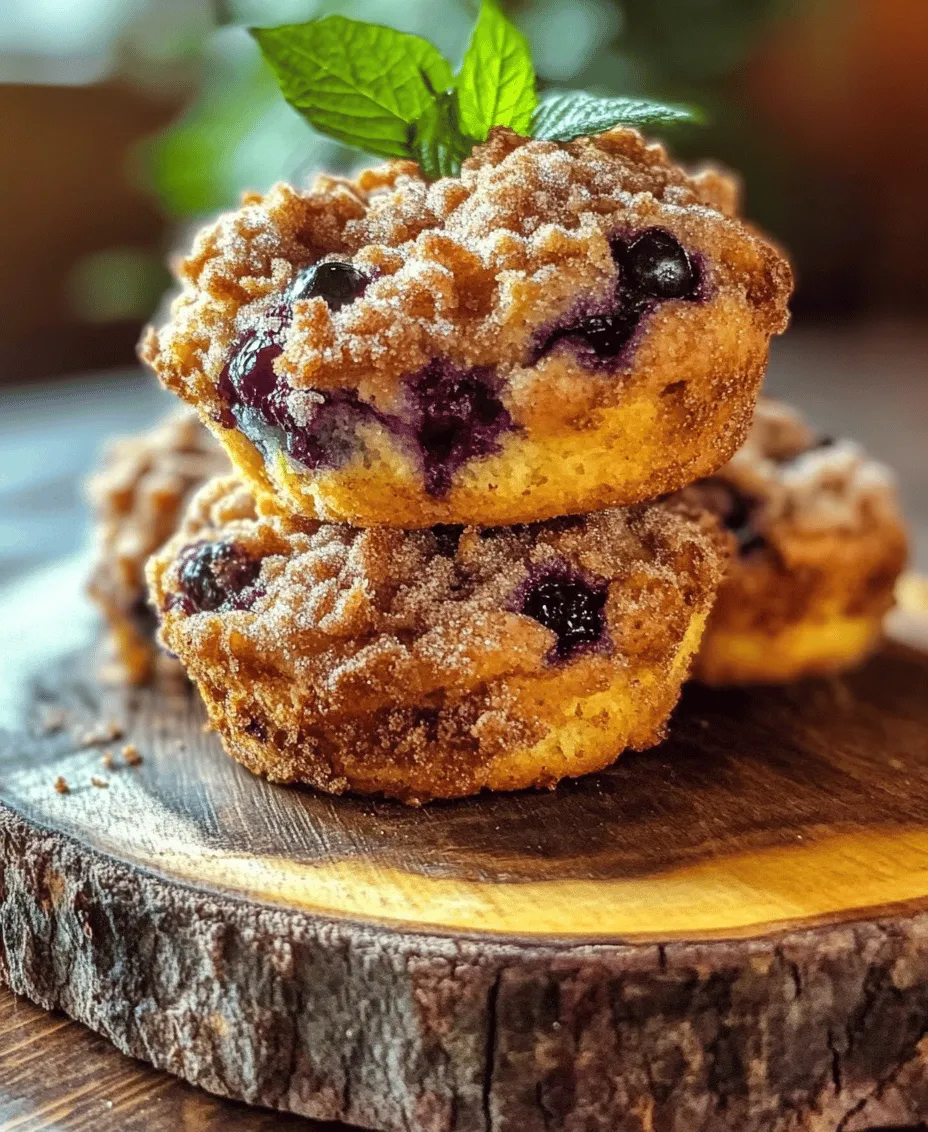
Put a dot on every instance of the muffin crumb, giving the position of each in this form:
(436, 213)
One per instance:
(131, 755)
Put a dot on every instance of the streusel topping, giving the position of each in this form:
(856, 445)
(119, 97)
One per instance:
(470, 268)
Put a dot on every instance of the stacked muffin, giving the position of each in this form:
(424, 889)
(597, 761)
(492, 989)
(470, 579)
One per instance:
(449, 557)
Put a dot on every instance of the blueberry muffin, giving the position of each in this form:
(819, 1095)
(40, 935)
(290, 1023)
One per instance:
(821, 543)
(138, 498)
(561, 329)
(434, 663)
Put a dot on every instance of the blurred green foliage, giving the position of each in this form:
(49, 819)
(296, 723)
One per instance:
(238, 133)
(121, 284)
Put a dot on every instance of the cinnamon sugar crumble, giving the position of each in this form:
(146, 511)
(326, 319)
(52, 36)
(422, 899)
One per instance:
(138, 497)
(467, 269)
(408, 649)
(812, 487)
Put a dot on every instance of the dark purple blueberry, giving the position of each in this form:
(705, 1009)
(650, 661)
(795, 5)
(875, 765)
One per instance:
(250, 370)
(216, 576)
(569, 606)
(447, 536)
(457, 416)
(338, 283)
(658, 265)
(736, 511)
(653, 267)
(608, 334)
(257, 400)
(248, 381)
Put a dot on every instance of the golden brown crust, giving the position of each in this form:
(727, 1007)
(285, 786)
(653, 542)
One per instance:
(474, 270)
(825, 544)
(138, 497)
(398, 662)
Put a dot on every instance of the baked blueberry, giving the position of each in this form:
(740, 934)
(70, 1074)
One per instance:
(336, 282)
(653, 267)
(457, 418)
(608, 334)
(657, 264)
(569, 606)
(249, 377)
(216, 575)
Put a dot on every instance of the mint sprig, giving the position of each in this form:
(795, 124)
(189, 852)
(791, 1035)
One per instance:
(563, 115)
(437, 141)
(496, 83)
(393, 94)
(360, 83)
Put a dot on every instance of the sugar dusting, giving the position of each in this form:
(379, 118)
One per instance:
(382, 637)
(467, 268)
(812, 486)
(138, 498)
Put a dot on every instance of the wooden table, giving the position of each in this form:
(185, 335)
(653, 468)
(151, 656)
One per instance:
(54, 1074)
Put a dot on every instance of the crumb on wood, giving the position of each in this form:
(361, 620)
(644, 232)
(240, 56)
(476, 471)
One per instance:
(104, 732)
(61, 785)
(131, 754)
(96, 780)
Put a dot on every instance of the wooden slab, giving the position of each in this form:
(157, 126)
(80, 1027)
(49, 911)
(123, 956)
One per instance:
(727, 933)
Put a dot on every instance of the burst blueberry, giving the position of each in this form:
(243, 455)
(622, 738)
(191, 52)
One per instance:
(571, 607)
(653, 267)
(249, 381)
(457, 416)
(217, 576)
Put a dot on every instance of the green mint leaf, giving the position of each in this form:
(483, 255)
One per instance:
(436, 140)
(496, 83)
(364, 84)
(564, 115)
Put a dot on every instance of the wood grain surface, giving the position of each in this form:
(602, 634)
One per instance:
(727, 933)
(58, 1076)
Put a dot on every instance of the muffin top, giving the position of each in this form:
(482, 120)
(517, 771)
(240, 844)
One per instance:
(138, 496)
(381, 617)
(489, 269)
(800, 483)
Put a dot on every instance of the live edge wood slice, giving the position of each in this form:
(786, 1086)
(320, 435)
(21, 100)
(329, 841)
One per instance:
(726, 934)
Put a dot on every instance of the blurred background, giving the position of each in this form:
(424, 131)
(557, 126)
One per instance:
(125, 122)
